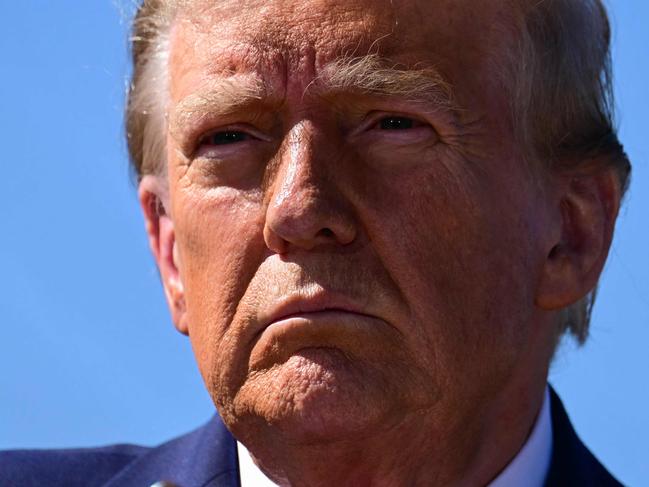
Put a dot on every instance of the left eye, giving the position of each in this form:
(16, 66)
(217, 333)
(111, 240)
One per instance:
(226, 137)
(397, 123)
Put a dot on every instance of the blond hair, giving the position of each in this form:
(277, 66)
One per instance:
(562, 101)
(558, 76)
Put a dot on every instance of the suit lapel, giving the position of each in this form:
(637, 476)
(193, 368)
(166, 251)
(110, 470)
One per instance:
(206, 457)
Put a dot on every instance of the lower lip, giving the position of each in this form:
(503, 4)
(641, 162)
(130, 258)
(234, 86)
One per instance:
(318, 317)
(321, 329)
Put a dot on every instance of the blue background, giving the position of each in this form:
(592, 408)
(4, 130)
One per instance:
(87, 352)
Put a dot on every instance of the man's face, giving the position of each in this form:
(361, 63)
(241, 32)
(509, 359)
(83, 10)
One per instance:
(349, 258)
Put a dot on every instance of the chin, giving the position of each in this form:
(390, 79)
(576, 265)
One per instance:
(317, 395)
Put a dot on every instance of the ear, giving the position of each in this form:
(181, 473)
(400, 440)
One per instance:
(587, 207)
(152, 193)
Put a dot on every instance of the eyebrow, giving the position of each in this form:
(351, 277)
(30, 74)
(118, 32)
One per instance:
(367, 75)
(219, 97)
(374, 75)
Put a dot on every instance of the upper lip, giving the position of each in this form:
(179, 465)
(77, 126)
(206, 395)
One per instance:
(311, 303)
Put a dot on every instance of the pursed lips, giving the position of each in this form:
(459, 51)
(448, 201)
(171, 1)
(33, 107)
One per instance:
(303, 304)
(322, 320)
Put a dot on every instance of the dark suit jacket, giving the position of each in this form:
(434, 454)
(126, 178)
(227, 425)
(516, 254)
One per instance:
(207, 457)
(572, 464)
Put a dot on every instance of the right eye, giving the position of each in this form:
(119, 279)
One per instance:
(226, 137)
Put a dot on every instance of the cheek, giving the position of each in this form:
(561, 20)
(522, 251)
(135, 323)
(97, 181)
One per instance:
(460, 256)
(219, 237)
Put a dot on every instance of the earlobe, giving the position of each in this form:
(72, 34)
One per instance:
(162, 240)
(586, 211)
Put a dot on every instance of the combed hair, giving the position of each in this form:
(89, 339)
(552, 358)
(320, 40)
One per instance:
(148, 89)
(558, 76)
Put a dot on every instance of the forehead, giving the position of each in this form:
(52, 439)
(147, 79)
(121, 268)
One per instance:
(462, 38)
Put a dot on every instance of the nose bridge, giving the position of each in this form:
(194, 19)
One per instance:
(297, 180)
(306, 206)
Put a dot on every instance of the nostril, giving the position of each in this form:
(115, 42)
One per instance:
(326, 232)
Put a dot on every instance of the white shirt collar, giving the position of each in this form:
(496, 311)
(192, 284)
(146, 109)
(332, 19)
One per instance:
(249, 472)
(529, 467)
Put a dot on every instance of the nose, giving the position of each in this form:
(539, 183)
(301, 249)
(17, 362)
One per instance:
(307, 207)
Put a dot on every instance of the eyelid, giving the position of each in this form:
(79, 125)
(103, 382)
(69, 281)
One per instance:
(374, 118)
(247, 129)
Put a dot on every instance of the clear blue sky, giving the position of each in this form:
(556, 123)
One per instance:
(87, 352)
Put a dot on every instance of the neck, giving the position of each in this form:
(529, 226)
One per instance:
(428, 447)
(412, 452)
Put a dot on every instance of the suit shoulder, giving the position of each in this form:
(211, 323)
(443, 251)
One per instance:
(65, 467)
(572, 463)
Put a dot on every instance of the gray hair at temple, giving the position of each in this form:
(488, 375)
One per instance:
(558, 78)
